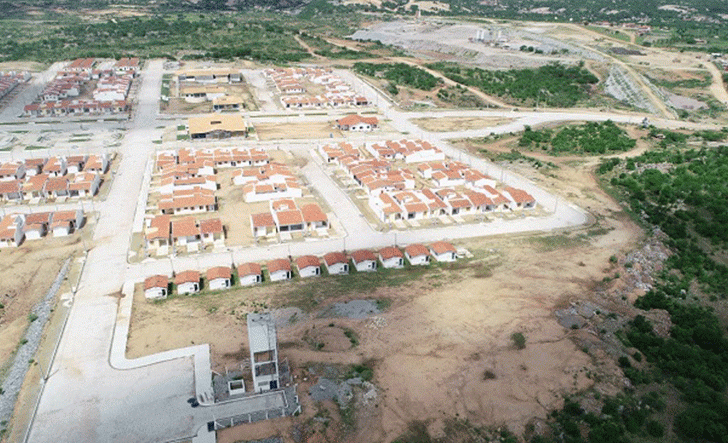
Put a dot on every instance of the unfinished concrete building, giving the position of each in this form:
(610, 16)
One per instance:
(263, 352)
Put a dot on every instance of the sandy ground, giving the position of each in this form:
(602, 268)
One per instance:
(310, 130)
(28, 273)
(441, 332)
(450, 124)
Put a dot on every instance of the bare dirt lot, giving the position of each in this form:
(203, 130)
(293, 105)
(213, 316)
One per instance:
(441, 328)
(29, 272)
(310, 130)
(450, 124)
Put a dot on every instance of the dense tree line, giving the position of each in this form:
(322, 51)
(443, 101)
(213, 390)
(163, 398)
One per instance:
(399, 74)
(589, 138)
(200, 36)
(554, 85)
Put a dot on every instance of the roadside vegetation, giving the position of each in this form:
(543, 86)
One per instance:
(589, 138)
(399, 74)
(553, 85)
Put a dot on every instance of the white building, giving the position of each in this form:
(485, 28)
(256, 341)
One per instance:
(336, 263)
(308, 266)
(263, 352)
(364, 260)
(391, 257)
(219, 278)
(443, 251)
(155, 287)
(187, 282)
(250, 274)
(417, 255)
(279, 269)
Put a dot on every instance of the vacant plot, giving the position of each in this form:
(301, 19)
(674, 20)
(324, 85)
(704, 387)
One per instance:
(450, 124)
(29, 272)
(287, 131)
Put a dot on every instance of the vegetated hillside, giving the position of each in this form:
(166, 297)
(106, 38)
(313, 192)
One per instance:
(553, 85)
(589, 138)
(164, 5)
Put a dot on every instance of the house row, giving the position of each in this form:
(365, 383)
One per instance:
(188, 201)
(16, 228)
(209, 76)
(113, 89)
(288, 83)
(162, 235)
(410, 151)
(334, 153)
(75, 107)
(9, 80)
(286, 216)
(453, 173)
(376, 176)
(54, 166)
(266, 183)
(336, 263)
(217, 157)
(428, 203)
(127, 65)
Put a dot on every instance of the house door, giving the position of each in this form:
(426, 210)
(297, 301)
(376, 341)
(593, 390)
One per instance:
(274, 384)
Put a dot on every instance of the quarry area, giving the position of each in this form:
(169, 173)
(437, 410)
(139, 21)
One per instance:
(244, 252)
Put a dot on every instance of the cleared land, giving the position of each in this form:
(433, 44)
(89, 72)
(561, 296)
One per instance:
(450, 124)
(309, 130)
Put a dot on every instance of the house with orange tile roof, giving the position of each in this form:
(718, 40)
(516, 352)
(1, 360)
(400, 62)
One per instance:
(188, 202)
(314, 217)
(308, 266)
(219, 278)
(357, 123)
(34, 187)
(279, 269)
(97, 164)
(12, 171)
(37, 224)
(186, 234)
(249, 274)
(364, 260)
(520, 198)
(11, 231)
(262, 224)
(417, 254)
(443, 251)
(66, 223)
(156, 287)
(336, 263)
(157, 234)
(391, 257)
(333, 153)
(212, 232)
(11, 191)
(187, 282)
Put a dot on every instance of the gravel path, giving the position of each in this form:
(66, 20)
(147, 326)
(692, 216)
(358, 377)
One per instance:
(16, 374)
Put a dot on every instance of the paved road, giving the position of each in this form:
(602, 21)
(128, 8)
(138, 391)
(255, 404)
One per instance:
(87, 400)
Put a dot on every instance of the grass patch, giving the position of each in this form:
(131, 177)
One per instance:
(559, 241)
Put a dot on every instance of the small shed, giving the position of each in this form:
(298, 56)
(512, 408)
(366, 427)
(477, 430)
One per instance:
(308, 266)
(364, 260)
(279, 269)
(188, 282)
(219, 278)
(155, 287)
(391, 257)
(443, 251)
(250, 274)
(336, 263)
(417, 254)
